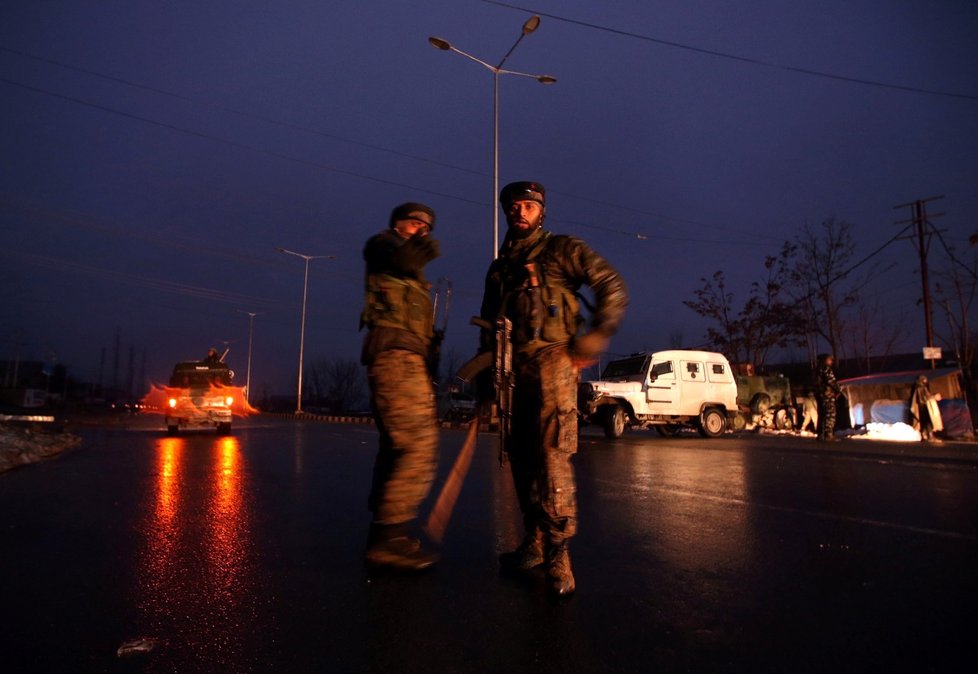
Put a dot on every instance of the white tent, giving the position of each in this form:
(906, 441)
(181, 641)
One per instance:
(884, 398)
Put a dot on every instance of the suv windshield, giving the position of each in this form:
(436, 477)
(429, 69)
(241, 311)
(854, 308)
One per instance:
(200, 375)
(626, 367)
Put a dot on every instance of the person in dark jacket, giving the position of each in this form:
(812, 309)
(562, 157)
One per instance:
(534, 283)
(827, 390)
(398, 316)
(925, 415)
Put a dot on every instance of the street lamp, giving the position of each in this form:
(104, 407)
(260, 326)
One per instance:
(497, 70)
(251, 330)
(302, 325)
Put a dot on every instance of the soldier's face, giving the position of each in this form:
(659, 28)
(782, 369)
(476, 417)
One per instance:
(415, 223)
(525, 216)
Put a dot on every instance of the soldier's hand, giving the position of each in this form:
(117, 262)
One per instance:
(586, 349)
(427, 247)
(415, 253)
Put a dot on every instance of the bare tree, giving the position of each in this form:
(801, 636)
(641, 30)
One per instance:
(869, 334)
(767, 319)
(818, 265)
(338, 384)
(453, 360)
(715, 302)
(956, 290)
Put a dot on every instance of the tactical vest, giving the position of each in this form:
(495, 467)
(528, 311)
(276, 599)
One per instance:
(541, 309)
(394, 302)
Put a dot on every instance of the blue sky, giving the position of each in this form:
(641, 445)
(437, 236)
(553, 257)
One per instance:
(156, 154)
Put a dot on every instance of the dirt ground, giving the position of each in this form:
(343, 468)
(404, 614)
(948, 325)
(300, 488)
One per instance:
(22, 444)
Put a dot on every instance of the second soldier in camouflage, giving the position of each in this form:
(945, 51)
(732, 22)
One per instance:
(533, 283)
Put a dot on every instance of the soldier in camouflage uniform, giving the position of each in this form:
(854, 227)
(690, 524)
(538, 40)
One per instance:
(828, 391)
(534, 282)
(398, 316)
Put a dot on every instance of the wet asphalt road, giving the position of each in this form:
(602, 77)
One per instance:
(243, 554)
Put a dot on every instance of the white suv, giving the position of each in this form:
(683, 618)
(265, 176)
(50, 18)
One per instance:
(665, 389)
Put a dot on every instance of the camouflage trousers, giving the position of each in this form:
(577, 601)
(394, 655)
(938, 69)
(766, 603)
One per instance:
(826, 417)
(404, 409)
(542, 442)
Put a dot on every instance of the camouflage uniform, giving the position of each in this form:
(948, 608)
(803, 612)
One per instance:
(543, 437)
(828, 391)
(404, 410)
(398, 315)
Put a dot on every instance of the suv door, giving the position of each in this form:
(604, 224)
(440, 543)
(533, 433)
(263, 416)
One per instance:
(662, 389)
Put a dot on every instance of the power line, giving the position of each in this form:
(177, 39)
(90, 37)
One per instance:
(296, 127)
(244, 146)
(240, 113)
(735, 57)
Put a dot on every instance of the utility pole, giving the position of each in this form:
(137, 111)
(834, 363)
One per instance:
(251, 330)
(115, 362)
(922, 244)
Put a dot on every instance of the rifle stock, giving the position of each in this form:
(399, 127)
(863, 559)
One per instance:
(500, 359)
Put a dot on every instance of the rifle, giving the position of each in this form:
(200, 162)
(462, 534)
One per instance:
(505, 381)
(433, 360)
(500, 359)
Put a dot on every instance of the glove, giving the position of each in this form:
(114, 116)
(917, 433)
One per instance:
(415, 253)
(426, 248)
(587, 347)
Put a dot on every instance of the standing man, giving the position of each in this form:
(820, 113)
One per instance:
(925, 415)
(533, 283)
(827, 389)
(809, 409)
(398, 316)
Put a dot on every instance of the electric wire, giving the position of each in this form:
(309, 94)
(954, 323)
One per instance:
(296, 127)
(735, 57)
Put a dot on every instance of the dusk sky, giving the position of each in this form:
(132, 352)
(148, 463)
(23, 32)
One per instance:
(155, 155)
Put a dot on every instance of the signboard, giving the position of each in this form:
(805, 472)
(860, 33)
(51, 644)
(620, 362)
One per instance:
(932, 353)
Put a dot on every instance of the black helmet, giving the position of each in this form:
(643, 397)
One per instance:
(522, 190)
(405, 211)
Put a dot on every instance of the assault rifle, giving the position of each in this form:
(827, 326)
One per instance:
(500, 359)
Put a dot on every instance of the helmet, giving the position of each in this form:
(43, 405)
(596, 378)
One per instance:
(522, 190)
(410, 209)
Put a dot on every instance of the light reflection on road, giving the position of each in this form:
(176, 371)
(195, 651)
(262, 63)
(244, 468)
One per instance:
(195, 575)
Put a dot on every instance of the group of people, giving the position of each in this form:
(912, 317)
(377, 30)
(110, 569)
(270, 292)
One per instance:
(819, 406)
(534, 283)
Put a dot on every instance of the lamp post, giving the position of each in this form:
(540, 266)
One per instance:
(497, 70)
(302, 324)
(251, 331)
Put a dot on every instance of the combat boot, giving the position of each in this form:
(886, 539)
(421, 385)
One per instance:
(559, 571)
(390, 547)
(528, 555)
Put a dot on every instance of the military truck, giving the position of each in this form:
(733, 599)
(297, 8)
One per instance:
(764, 401)
(665, 390)
(199, 396)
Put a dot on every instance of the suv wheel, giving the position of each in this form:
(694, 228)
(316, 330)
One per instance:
(784, 420)
(760, 403)
(712, 423)
(614, 422)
